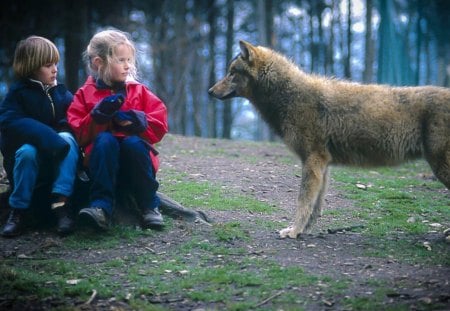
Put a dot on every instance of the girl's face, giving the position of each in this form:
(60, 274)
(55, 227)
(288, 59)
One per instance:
(46, 74)
(121, 63)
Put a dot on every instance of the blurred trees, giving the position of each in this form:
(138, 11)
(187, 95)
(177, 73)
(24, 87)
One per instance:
(185, 46)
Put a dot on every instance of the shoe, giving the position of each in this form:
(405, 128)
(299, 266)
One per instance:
(96, 216)
(153, 219)
(62, 209)
(13, 224)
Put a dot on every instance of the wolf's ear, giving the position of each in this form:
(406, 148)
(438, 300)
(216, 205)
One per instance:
(246, 50)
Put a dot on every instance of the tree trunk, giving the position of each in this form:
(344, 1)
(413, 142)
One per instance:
(348, 58)
(227, 109)
(75, 41)
(212, 106)
(369, 51)
(265, 21)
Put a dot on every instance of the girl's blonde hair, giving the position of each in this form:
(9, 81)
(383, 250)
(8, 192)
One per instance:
(33, 53)
(103, 45)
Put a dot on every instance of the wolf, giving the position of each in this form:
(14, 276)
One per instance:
(326, 121)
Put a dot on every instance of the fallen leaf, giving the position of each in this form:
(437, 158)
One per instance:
(361, 186)
(411, 220)
(73, 281)
(435, 225)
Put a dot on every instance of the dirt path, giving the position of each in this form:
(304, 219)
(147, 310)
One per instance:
(261, 170)
(268, 172)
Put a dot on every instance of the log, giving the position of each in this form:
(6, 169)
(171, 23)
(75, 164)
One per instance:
(174, 209)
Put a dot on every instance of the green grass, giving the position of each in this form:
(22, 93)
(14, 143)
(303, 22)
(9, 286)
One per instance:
(116, 236)
(230, 231)
(233, 281)
(397, 210)
(209, 196)
(216, 267)
(396, 199)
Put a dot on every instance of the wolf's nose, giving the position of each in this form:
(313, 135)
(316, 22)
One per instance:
(210, 91)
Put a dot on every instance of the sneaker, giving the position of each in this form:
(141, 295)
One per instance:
(95, 216)
(14, 223)
(61, 208)
(152, 218)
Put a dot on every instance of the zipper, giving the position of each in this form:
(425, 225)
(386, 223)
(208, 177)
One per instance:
(51, 102)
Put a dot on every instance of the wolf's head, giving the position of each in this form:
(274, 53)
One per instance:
(242, 73)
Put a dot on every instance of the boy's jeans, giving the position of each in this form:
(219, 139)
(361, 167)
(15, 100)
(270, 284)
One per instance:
(123, 162)
(26, 172)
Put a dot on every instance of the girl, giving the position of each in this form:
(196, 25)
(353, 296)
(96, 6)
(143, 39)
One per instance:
(35, 137)
(116, 121)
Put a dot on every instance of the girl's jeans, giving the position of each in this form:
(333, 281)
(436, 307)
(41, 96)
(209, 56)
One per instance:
(26, 171)
(123, 162)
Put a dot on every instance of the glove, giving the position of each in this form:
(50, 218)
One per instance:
(130, 121)
(105, 109)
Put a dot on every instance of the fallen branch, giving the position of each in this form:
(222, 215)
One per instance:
(269, 299)
(345, 229)
(174, 209)
(94, 294)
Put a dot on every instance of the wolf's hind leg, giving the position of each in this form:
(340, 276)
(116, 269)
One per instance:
(313, 173)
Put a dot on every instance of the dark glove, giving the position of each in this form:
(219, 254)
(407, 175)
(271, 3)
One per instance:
(105, 109)
(130, 121)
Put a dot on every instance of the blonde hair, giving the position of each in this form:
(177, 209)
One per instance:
(33, 53)
(103, 45)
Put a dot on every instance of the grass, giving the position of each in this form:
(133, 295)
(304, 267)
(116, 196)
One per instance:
(398, 209)
(216, 269)
(208, 196)
(395, 200)
(223, 280)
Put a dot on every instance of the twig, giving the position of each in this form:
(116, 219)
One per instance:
(94, 293)
(269, 299)
(351, 228)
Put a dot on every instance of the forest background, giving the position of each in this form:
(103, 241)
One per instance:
(185, 46)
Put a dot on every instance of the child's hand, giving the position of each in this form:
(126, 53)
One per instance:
(131, 121)
(110, 104)
(105, 109)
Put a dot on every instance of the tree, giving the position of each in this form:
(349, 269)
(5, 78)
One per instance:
(393, 60)
(75, 39)
(266, 38)
(227, 115)
(348, 57)
(369, 50)
(212, 108)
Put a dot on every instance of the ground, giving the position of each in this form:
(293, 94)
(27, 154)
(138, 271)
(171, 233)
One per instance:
(260, 170)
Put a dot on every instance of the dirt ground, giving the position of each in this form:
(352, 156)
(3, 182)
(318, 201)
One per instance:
(261, 171)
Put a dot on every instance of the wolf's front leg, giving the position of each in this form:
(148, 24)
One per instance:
(314, 179)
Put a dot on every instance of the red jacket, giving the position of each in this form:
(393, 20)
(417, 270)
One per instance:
(138, 97)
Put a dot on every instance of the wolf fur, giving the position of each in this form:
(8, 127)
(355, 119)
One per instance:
(327, 121)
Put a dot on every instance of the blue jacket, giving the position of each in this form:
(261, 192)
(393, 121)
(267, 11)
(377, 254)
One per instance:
(31, 114)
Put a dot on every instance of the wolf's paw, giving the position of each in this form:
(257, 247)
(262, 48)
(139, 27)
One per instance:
(290, 232)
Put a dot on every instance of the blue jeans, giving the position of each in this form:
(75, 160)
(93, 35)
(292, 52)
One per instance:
(27, 165)
(125, 162)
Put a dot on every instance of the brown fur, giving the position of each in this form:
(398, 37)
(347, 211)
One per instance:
(327, 121)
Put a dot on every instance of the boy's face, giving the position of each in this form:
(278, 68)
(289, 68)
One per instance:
(46, 74)
(120, 66)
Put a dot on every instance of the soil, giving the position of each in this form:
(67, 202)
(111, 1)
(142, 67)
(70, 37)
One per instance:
(261, 170)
